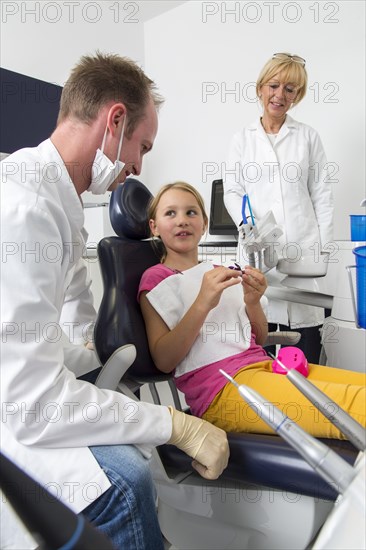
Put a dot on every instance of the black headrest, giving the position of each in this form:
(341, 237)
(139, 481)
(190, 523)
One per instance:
(128, 210)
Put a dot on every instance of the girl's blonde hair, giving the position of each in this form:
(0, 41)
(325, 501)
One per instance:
(290, 70)
(154, 202)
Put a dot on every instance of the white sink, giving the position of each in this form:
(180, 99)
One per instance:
(305, 266)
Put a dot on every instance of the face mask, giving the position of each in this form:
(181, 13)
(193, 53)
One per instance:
(104, 171)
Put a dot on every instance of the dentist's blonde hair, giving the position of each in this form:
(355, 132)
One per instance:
(290, 71)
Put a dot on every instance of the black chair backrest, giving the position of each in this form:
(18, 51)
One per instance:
(123, 259)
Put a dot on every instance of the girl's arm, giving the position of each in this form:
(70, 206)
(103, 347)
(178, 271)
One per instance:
(169, 347)
(255, 284)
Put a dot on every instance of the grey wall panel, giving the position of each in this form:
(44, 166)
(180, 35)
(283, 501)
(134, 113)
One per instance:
(29, 109)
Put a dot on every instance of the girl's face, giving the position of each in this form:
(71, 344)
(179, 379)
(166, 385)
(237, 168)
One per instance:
(178, 221)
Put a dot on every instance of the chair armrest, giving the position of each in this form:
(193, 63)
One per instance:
(266, 460)
(116, 366)
(282, 338)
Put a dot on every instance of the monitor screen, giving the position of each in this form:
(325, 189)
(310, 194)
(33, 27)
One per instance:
(220, 220)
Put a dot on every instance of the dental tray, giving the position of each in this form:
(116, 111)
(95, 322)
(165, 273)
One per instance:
(305, 266)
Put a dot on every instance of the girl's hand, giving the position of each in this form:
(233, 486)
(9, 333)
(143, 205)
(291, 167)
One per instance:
(214, 283)
(254, 284)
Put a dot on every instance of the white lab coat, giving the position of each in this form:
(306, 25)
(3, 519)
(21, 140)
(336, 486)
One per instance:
(290, 178)
(49, 418)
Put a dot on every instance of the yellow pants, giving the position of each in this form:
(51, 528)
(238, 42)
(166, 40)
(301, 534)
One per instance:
(346, 388)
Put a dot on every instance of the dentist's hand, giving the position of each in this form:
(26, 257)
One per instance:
(202, 441)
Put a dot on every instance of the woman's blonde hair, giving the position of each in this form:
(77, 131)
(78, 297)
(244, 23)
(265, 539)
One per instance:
(154, 202)
(290, 70)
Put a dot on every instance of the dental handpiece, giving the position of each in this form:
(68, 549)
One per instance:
(331, 467)
(355, 433)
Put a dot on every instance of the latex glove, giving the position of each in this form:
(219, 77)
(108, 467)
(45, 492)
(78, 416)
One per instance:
(202, 441)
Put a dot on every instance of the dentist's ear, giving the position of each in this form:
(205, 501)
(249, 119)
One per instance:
(116, 115)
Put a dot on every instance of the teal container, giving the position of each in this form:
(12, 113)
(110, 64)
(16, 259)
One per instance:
(360, 254)
(358, 227)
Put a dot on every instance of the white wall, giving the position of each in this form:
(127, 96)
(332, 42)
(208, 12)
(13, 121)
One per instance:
(184, 47)
(200, 47)
(44, 40)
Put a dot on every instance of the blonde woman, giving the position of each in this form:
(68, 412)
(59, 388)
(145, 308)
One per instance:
(280, 163)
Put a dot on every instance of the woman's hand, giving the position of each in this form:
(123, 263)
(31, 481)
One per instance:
(255, 284)
(214, 283)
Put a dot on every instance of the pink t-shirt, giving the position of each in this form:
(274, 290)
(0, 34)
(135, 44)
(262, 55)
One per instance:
(202, 385)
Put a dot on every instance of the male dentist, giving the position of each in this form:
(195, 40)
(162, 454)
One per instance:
(74, 438)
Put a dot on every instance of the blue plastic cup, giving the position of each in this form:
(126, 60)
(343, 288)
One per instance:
(358, 227)
(360, 253)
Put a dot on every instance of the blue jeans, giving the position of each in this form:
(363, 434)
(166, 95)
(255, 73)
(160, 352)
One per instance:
(126, 513)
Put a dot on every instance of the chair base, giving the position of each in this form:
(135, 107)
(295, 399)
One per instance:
(198, 515)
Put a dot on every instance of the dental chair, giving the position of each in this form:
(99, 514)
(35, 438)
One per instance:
(268, 497)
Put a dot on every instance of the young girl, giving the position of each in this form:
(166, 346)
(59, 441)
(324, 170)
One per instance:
(200, 317)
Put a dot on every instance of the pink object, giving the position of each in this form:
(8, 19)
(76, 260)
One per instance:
(292, 358)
